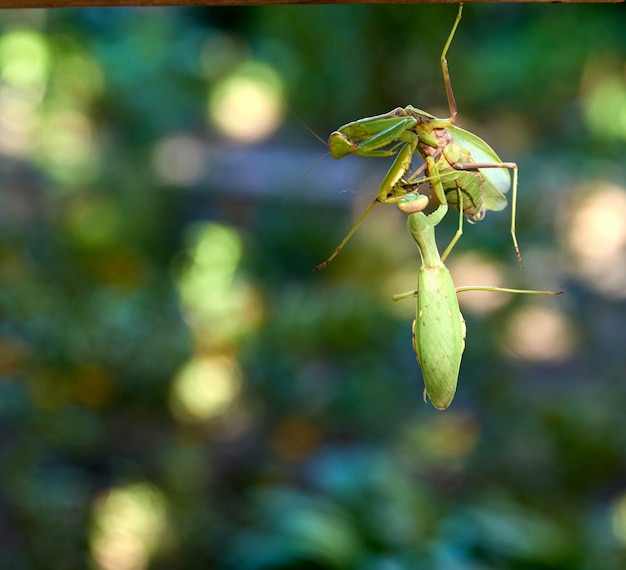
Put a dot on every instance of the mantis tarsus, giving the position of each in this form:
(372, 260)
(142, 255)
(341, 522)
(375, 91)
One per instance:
(461, 163)
(438, 328)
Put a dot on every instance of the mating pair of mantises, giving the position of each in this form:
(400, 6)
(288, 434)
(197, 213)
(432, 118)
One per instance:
(462, 170)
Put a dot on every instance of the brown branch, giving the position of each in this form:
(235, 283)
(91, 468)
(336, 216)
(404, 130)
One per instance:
(112, 3)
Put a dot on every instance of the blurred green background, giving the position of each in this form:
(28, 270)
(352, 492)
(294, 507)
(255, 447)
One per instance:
(179, 390)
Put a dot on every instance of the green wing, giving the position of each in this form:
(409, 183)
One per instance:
(497, 180)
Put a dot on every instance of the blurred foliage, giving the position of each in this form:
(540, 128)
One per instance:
(179, 390)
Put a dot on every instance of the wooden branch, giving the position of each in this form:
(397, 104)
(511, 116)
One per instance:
(112, 3)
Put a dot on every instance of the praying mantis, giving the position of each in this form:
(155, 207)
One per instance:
(461, 162)
(439, 328)
(463, 171)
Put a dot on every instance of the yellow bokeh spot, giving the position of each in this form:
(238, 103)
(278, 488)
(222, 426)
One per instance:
(247, 106)
(24, 59)
(18, 123)
(218, 304)
(129, 525)
(619, 519)
(540, 334)
(67, 144)
(205, 388)
(597, 227)
(595, 235)
(24, 73)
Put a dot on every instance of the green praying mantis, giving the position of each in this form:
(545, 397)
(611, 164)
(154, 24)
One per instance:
(463, 171)
(439, 327)
(460, 162)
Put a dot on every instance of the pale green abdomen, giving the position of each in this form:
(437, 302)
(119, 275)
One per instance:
(439, 334)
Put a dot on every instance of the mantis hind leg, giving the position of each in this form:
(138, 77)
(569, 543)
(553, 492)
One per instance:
(514, 214)
(444, 68)
(508, 165)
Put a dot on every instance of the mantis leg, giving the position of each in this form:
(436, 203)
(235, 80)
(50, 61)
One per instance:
(488, 288)
(453, 115)
(459, 231)
(398, 169)
(508, 165)
(387, 193)
(435, 180)
(492, 289)
(444, 68)
(406, 295)
(374, 133)
(345, 240)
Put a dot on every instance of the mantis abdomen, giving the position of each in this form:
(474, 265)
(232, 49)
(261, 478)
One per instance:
(439, 334)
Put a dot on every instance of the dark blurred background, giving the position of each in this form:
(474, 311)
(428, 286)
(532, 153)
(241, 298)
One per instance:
(179, 390)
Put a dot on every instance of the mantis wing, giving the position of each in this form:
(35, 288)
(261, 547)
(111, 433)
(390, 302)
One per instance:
(497, 180)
